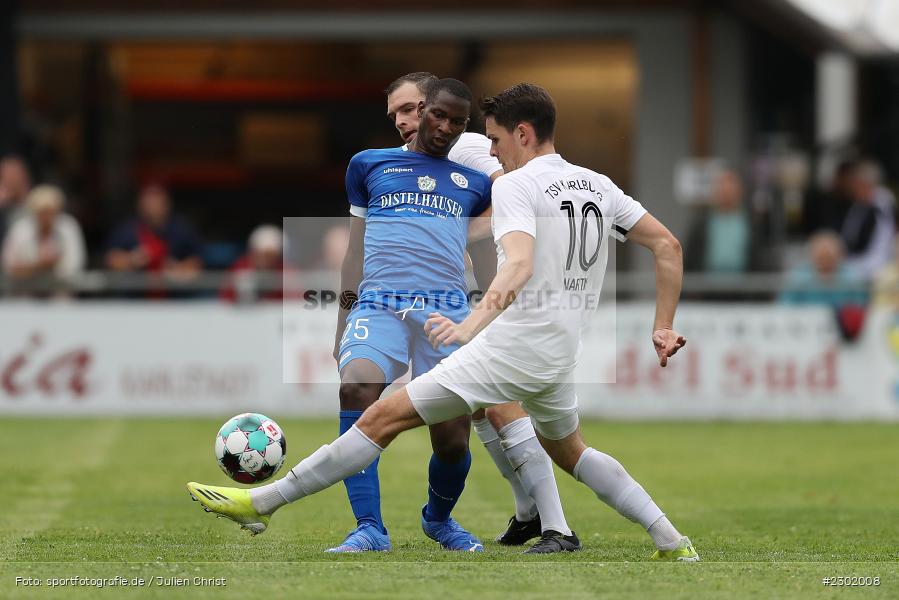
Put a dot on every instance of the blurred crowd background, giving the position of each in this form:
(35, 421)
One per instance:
(152, 149)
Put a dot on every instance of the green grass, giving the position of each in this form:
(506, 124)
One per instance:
(772, 508)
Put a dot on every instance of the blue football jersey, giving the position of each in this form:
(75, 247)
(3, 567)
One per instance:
(416, 210)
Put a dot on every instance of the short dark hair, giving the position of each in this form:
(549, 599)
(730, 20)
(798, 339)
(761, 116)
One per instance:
(453, 86)
(421, 79)
(523, 103)
(846, 166)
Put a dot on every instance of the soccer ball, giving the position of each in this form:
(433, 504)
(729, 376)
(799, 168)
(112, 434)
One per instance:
(250, 448)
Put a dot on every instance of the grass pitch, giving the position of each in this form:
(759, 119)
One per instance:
(772, 509)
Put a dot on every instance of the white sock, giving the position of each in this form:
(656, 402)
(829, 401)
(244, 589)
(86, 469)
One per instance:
(614, 486)
(330, 464)
(267, 499)
(535, 470)
(525, 507)
(663, 533)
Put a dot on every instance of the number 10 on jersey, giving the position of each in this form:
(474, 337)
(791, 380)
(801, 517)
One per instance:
(587, 210)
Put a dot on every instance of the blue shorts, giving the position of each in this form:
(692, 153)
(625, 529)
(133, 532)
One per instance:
(389, 331)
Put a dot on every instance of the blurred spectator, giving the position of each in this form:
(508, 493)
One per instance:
(155, 241)
(825, 279)
(45, 248)
(827, 209)
(334, 245)
(869, 225)
(721, 237)
(15, 183)
(257, 275)
(330, 261)
(886, 284)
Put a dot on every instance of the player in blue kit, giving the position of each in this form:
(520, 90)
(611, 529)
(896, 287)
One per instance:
(412, 211)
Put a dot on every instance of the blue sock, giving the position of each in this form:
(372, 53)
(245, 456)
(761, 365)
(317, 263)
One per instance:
(445, 485)
(363, 489)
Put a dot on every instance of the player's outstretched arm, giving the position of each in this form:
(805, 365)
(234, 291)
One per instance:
(666, 249)
(482, 250)
(480, 227)
(517, 268)
(350, 276)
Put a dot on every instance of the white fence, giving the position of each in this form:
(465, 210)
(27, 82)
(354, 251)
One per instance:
(741, 362)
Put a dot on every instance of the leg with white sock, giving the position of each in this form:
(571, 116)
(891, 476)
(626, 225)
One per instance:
(525, 507)
(535, 471)
(330, 464)
(613, 485)
(345, 456)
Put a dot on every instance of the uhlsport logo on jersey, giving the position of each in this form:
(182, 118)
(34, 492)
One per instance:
(459, 179)
(427, 184)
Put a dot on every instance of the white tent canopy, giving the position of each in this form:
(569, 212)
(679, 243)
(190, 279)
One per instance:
(865, 26)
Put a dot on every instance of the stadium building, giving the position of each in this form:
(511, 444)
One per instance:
(278, 97)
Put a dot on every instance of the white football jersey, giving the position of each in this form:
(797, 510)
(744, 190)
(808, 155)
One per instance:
(570, 211)
(472, 150)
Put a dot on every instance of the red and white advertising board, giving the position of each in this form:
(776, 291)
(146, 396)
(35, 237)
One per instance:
(747, 362)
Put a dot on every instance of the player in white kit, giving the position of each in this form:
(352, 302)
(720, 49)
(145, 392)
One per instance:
(504, 429)
(551, 223)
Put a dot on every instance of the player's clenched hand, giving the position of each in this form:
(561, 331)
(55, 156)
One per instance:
(442, 330)
(667, 342)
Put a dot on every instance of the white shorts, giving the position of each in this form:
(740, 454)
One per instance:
(471, 378)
